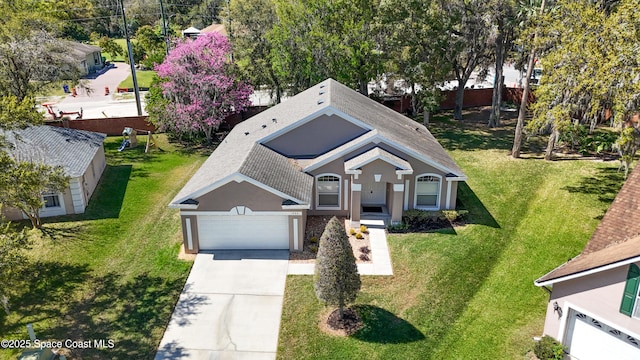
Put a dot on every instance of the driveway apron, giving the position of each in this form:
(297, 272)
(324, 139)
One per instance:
(230, 307)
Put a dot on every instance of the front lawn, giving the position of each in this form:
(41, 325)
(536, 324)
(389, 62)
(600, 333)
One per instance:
(467, 293)
(144, 77)
(111, 273)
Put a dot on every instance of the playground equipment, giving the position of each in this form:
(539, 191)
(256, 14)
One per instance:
(60, 114)
(130, 139)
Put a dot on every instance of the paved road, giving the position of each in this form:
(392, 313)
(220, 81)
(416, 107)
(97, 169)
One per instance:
(96, 104)
(230, 307)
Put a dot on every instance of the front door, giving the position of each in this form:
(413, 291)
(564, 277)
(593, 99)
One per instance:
(374, 193)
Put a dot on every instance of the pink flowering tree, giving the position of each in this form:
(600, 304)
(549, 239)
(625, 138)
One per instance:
(197, 88)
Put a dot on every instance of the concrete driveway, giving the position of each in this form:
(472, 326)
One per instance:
(230, 307)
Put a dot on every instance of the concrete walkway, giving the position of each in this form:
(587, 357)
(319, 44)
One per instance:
(230, 307)
(381, 264)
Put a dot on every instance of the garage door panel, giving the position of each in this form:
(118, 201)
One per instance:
(243, 232)
(588, 338)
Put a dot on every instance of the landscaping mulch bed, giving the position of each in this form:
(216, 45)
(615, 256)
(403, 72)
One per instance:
(314, 228)
(348, 325)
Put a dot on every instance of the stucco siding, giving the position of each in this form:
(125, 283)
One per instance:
(235, 194)
(599, 295)
(315, 137)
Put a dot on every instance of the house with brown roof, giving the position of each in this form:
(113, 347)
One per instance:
(79, 152)
(594, 305)
(326, 151)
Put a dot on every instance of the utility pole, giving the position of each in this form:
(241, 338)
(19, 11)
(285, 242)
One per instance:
(164, 27)
(133, 66)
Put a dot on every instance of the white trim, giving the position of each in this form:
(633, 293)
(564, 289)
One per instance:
(252, 213)
(296, 207)
(587, 272)
(187, 225)
(456, 178)
(406, 195)
(448, 200)
(295, 235)
(377, 177)
(327, 110)
(356, 187)
(54, 210)
(237, 177)
(352, 172)
(184, 206)
(398, 187)
(415, 192)
(315, 184)
(378, 157)
(566, 309)
(377, 138)
(364, 139)
(346, 194)
(400, 173)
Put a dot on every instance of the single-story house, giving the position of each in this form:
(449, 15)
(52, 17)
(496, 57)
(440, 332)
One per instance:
(79, 152)
(326, 151)
(89, 57)
(191, 32)
(594, 303)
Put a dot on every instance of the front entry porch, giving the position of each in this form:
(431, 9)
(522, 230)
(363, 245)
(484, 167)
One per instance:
(375, 216)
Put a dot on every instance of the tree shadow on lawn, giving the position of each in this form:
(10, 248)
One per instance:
(478, 213)
(606, 183)
(473, 133)
(381, 326)
(39, 290)
(131, 312)
(107, 199)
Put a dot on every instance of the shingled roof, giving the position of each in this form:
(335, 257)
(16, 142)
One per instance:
(616, 239)
(72, 149)
(237, 150)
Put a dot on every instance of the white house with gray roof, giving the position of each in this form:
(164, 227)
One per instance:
(326, 151)
(79, 152)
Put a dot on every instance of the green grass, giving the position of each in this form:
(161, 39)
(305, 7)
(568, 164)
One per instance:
(145, 77)
(467, 293)
(112, 272)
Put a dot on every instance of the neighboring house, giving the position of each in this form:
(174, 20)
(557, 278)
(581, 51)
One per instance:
(190, 33)
(326, 151)
(80, 153)
(215, 28)
(594, 307)
(89, 57)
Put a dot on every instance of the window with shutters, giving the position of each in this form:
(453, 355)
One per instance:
(631, 298)
(427, 193)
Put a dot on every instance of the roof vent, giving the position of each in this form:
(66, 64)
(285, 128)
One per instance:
(418, 129)
(264, 126)
(321, 92)
(320, 101)
(246, 133)
(274, 120)
(322, 86)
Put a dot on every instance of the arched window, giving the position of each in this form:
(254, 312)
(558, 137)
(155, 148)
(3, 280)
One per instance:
(328, 192)
(427, 195)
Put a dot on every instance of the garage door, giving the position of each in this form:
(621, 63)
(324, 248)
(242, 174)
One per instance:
(588, 338)
(243, 232)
